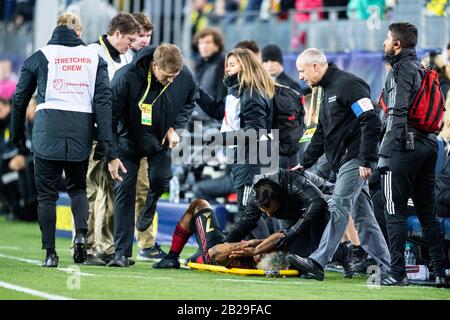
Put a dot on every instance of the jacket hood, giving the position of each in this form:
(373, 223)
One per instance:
(65, 37)
(142, 60)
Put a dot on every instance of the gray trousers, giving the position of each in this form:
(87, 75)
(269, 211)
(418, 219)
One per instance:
(351, 194)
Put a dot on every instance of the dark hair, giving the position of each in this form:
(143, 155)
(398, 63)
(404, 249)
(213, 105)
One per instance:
(215, 33)
(248, 44)
(124, 23)
(144, 21)
(404, 32)
(266, 192)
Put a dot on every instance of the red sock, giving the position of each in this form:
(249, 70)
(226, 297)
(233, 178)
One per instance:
(179, 239)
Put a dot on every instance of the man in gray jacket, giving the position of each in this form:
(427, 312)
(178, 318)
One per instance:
(72, 90)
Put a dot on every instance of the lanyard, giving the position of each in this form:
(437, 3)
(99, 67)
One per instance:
(102, 43)
(149, 82)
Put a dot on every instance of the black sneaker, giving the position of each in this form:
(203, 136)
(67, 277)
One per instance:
(441, 280)
(106, 258)
(119, 262)
(167, 263)
(144, 221)
(154, 254)
(307, 266)
(388, 280)
(92, 260)
(51, 261)
(344, 255)
(79, 249)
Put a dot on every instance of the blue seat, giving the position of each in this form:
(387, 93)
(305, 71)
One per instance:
(447, 229)
(414, 227)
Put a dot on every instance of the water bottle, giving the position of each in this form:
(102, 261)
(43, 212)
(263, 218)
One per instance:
(410, 260)
(174, 190)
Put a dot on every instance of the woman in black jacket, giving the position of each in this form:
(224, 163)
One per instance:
(246, 109)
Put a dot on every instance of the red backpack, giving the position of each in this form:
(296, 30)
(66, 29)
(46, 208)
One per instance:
(427, 110)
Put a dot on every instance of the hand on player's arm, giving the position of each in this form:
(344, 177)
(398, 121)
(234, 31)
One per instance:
(264, 246)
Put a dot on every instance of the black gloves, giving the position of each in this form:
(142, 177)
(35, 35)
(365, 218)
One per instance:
(101, 150)
(289, 236)
(384, 165)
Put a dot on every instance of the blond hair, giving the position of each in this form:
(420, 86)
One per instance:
(71, 21)
(252, 75)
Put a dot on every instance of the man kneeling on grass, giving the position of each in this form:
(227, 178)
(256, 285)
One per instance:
(284, 195)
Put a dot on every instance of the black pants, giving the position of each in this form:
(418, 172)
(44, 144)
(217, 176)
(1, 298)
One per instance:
(160, 174)
(47, 174)
(412, 175)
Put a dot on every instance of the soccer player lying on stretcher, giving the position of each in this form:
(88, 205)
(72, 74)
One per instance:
(284, 195)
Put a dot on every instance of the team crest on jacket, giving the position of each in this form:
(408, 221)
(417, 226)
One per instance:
(58, 84)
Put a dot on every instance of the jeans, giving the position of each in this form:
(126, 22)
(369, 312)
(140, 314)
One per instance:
(351, 194)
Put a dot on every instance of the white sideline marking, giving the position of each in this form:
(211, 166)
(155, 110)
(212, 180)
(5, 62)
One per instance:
(262, 281)
(35, 262)
(32, 292)
(69, 270)
(38, 263)
(9, 248)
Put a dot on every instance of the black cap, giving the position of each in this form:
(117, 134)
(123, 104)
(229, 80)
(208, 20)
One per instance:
(273, 53)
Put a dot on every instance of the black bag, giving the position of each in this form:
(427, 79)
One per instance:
(288, 118)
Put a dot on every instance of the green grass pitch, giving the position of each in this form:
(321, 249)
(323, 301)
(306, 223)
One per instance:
(20, 255)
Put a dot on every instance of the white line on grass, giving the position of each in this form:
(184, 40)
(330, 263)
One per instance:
(32, 292)
(9, 248)
(38, 263)
(69, 270)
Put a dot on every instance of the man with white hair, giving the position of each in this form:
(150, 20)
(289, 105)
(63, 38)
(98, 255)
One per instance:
(348, 133)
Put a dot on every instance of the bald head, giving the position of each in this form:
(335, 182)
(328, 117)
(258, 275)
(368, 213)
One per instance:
(312, 65)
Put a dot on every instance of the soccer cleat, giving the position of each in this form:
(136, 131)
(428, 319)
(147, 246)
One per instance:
(79, 249)
(154, 253)
(389, 280)
(51, 261)
(167, 263)
(307, 266)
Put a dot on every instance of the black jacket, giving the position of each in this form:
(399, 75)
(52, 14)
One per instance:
(301, 200)
(58, 134)
(255, 114)
(402, 84)
(209, 73)
(341, 134)
(172, 109)
(287, 81)
(443, 185)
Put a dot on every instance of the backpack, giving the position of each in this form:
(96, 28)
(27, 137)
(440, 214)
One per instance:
(288, 118)
(427, 110)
